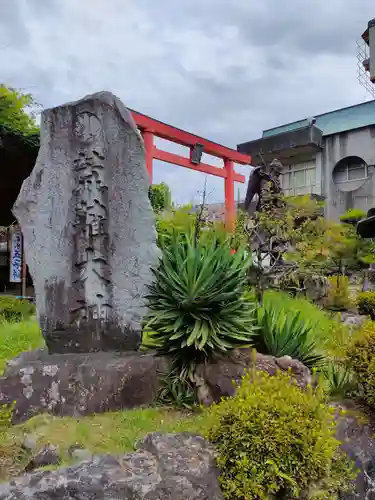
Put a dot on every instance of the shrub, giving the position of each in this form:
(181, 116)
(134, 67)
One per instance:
(176, 222)
(283, 333)
(329, 333)
(353, 216)
(337, 379)
(196, 303)
(11, 451)
(273, 438)
(361, 356)
(366, 304)
(182, 222)
(14, 309)
(338, 297)
(160, 197)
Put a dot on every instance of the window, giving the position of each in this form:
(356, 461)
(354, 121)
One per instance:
(300, 179)
(363, 202)
(350, 169)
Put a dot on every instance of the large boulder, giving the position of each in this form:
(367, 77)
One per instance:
(353, 320)
(88, 227)
(78, 384)
(355, 430)
(219, 378)
(164, 467)
(83, 384)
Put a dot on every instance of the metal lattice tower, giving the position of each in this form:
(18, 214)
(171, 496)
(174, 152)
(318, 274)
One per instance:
(363, 58)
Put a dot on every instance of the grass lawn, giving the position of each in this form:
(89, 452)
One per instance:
(114, 432)
(18, 337)
(108, 433)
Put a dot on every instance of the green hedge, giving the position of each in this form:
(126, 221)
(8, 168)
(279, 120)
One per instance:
(366, 304)
(275, 440)
(361, 357)
(14, 309)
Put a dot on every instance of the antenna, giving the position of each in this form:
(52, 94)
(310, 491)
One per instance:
(261, 157)
(363, 58)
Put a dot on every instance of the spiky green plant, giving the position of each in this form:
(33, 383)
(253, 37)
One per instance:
(196, 303)
(337, 379)
(284, 333)
(176, 391)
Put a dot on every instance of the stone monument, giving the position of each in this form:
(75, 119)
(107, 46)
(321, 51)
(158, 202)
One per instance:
(88, 227)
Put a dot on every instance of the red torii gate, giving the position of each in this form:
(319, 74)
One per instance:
(150, 128)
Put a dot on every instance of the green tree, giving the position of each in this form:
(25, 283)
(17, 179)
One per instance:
(324, 246)
(15, 112)
(273, 234)
(160, 197)
(294, 244)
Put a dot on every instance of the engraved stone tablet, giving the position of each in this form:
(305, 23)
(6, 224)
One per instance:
(89, 227)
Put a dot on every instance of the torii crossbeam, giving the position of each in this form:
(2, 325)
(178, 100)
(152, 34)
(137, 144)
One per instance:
(151, 128)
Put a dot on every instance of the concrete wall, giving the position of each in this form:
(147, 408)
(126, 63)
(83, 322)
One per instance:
(356, 194)
(343, 196)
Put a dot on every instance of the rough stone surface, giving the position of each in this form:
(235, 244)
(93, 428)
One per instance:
(215, 379)
(48, 455)
(77, 384)
(83, 384)
(164, 467)
(355, 430)
(88, 227)
(30, 443)
(353, 320)
(13, 365)
(79, 453)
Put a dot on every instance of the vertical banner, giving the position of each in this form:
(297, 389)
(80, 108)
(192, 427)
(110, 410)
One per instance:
(15, 256)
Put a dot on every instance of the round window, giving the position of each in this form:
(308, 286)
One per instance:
(350, 173)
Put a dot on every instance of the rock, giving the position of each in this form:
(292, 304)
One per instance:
(84, 384)
(48, 455)
(164, 467)
(355, 431)
(78, 453)
(77, 384)
(215, 379)
(13, 365)
(353, 320)
(30, 443)
(88, 227)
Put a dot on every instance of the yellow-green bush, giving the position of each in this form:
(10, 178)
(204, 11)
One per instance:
(361, 357)
(338, 296)
(366, 304)
(14, 309)
(17, 337)
(10, 446)
(274, 438)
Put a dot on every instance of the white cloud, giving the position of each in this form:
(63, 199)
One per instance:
(223, 70)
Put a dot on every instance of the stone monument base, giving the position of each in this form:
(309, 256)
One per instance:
(79, 384)
(94, 336)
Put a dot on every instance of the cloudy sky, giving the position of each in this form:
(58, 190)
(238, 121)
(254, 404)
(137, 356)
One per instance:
(224, 70)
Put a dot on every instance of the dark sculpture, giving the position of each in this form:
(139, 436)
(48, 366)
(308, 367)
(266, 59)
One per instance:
(366, 227)
(263, 181)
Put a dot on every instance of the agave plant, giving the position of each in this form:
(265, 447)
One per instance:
(338, 379)
(196, 303)
(176, 391)
(284, 333)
